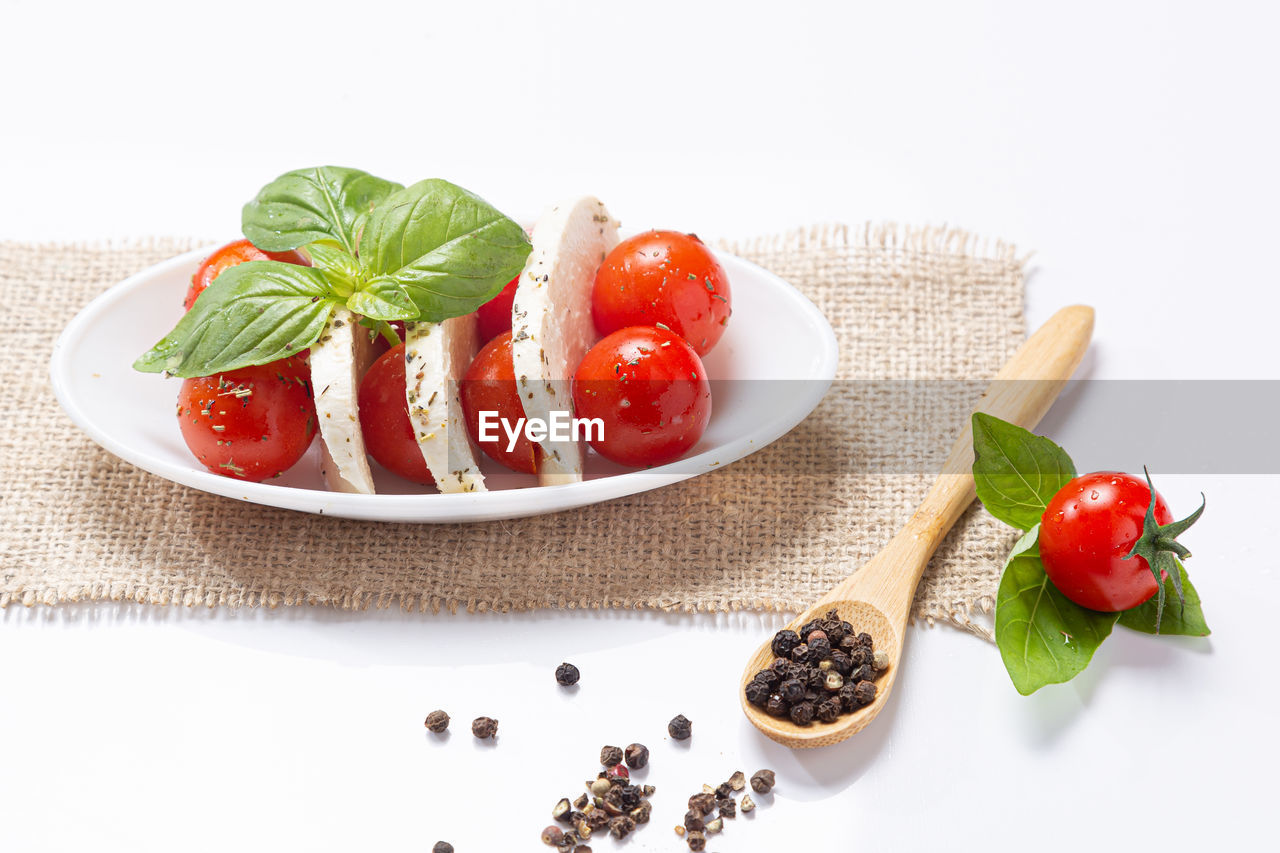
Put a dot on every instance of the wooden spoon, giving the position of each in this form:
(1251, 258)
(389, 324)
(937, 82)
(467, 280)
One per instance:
(877, 598)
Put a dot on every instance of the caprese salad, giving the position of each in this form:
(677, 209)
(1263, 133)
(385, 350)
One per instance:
(418, 325)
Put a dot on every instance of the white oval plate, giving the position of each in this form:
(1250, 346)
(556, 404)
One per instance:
(775, 334)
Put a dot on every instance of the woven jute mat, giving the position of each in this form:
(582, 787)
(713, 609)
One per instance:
(771, 532)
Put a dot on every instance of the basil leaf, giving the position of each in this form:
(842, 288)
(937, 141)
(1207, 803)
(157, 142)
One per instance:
(1187, 621)
(1016, 471)
(253, 313)
(306, 205)
(341, 269)
(383, 299)
(450, 250)
(1043, 636)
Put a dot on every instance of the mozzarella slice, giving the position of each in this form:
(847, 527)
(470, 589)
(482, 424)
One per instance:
(338, 361)
(551, 324)
(436, 356)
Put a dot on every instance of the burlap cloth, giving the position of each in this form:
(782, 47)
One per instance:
(771, 532)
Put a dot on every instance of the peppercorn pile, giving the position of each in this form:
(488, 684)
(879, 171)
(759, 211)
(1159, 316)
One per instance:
(820, 673)
(612, 803)
(698, 822)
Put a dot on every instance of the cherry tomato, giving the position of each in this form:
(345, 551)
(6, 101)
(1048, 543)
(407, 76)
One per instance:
(649, 388)
(495, 315)
(663, 277)
(384, 419)
(490, 386)
(1086, 531)
(251, 423)
(237, 252)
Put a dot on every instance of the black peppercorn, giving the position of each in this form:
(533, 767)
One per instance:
(484, 727)
(800, 654)
(776, 706)
(630, 797)
(862, 673)
(621, 826)
(791, 690)
(723, 790)
(702, 804)
(697, 841)
(864, 692)
(637, 756)
(437, 721)
(727, 807)
(757, 693)
(783, 642)
(680, 727)
(782, 666)
(610, 755)
(849, 642)
(811, 626)
(763, 781)
(829, 710)
(815, 678)
(768, 678)
(693, 821)
(819, 648)
(847, 700)
(802, 714)
(598, 819)
(859, 656)
(567, 674)
(841, 662)
(641, 813)
(864, 640)
(442, 847)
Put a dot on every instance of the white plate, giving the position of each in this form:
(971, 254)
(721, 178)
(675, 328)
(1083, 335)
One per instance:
(776, 360)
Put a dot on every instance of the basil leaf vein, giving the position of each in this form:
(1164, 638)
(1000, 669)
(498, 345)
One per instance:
(252, 313)
(307, 205)
(1043, 636)
(446, 248)
(1016, 472)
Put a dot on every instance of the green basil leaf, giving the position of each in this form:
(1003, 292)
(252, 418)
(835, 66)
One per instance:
(253, 313)
(1044, 637)
(1016, 471)
(1187, 620)
(341, 269)
(383, 299)
(306, 205)
(450, 250)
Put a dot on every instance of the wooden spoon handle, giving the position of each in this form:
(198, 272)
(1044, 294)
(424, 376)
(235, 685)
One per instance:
(1021, 393)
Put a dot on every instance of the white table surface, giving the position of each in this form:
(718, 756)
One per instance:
(1132, 146)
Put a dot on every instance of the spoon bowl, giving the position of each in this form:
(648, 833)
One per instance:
(877, 598)
(863, 616)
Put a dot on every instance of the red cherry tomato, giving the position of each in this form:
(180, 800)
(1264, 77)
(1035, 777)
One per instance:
(490, 386)
(384, 419)
(251, 423)
(237, 252)
(649, 388)
(1086, 531)
(494, 317)
(663, 277)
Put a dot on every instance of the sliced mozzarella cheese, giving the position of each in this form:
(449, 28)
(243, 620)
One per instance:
(436, 356)
(338, 361)
(551, 324)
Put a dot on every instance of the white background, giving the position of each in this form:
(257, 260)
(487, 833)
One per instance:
(1132, 146)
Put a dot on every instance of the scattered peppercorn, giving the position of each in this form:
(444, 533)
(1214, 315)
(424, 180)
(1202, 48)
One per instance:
(702, 804)
(610, 755)
(727, 807)
(442, 847)
(748, 804)
(680, 727)
(697, 841)
(738, 780)
(437, 721)
(484, 727)
(864, 692)
(552, 836)
(567, 675)
(621, 826)
(763, 781)
(636, 756)
(561, 810)
(618, 772)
